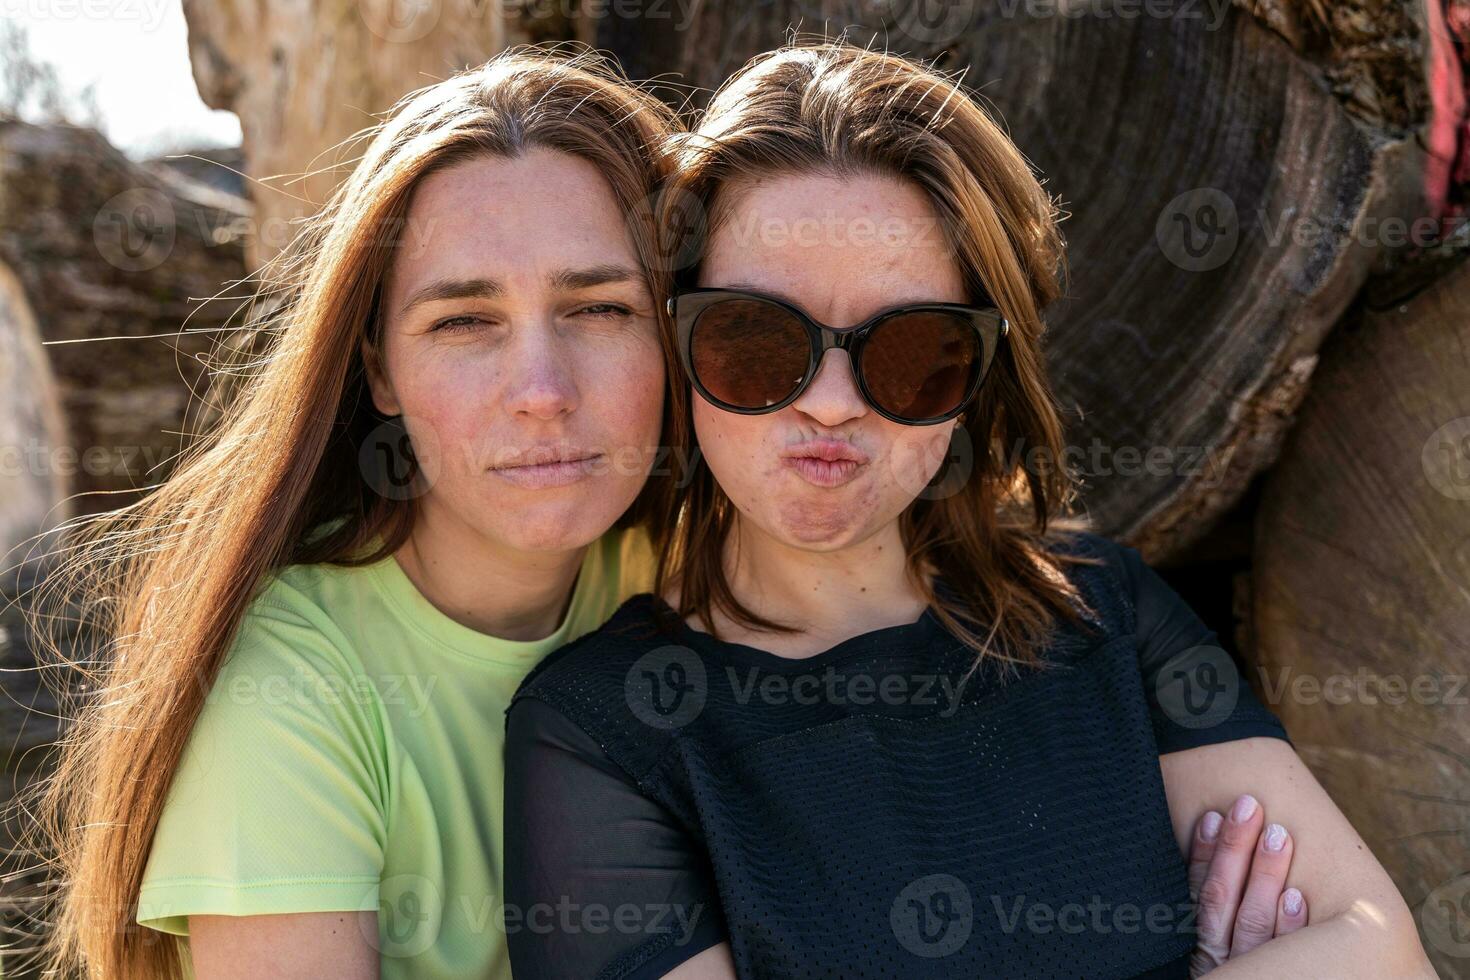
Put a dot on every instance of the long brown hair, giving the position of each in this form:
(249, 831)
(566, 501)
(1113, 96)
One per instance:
(828, 107)
(166, 581)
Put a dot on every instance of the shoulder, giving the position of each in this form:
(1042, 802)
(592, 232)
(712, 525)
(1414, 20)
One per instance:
(1076, 543)
(291, 638)
(601, 656)
(1104, 572)
(289, 702)
(587, 681)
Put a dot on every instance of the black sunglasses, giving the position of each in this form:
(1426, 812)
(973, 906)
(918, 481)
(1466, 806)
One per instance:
(753, 354)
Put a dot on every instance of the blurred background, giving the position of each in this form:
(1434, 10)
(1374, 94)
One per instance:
(1264, 353)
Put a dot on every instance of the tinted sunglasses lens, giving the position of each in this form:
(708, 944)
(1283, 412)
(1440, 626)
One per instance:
(922, 365)
(748, 354)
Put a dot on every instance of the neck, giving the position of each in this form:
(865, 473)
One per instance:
(482, 584)
(830, 596)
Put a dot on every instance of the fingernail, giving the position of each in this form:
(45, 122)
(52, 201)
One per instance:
(1275, 837)
(1291, 900)
(1244, 808)
(1209, 827)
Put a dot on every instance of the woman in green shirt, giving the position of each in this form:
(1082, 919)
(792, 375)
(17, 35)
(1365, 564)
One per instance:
(315, 635)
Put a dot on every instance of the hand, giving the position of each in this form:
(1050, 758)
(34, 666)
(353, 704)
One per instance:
(1237, 874)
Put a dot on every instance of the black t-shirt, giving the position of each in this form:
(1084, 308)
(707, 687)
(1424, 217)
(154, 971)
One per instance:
(860, 813)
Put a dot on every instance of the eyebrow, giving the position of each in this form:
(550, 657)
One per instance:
(751, 287)
(484, 288)
(597, 275)
(441, 289)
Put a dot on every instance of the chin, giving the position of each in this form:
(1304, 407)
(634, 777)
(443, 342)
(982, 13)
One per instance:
(551, 528)
(817, 528)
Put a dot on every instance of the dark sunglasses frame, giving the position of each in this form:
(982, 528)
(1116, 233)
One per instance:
(686, 306)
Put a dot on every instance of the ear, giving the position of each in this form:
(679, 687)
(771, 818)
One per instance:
(384, 399)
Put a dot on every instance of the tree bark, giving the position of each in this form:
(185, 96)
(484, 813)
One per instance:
(303, 78)
(131, 274)
(1361, 588)
(31, 426)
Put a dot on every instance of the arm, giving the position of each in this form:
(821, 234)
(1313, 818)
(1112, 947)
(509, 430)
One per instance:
(274, 816)
(713, 964)
(583, 842)
(1360, 926)
(1217, 744)
(301, 946)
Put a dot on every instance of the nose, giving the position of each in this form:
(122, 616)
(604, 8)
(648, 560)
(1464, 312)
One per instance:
(833, 397)
(541, 376)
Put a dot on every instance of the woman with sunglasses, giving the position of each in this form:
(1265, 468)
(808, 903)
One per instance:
(884, 714)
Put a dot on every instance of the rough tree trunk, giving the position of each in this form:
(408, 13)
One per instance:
(116, 261)
(31, 426)
(305, 77)
(1362, 594)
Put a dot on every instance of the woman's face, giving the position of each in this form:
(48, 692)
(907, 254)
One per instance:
(518, 331)
(842, 249)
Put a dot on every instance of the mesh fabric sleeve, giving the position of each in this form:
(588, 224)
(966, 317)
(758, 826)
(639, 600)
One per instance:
(601, 881)
(1196, 693)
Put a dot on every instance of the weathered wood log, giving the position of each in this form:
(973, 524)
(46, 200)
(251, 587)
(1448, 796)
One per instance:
(303, 78)
(31, 426)
(129, 273)
(1361, 587)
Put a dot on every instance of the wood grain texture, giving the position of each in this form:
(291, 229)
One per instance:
(1362, 584)
(305, 77)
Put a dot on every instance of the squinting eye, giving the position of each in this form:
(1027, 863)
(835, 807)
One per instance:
(606, 310)
(455, 324)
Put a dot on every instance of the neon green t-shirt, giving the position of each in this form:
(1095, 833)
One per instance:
(349, 757)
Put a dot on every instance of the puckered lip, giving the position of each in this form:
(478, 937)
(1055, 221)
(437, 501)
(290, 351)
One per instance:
(830, 450)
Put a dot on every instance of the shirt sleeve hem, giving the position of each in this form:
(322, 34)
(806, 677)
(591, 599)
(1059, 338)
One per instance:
(1178, 739)
(709, 932)
(167, 905)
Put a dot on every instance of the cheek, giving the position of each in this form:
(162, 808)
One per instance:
(622, 389)
(442, 404)
(916, 456)
(732, 446)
